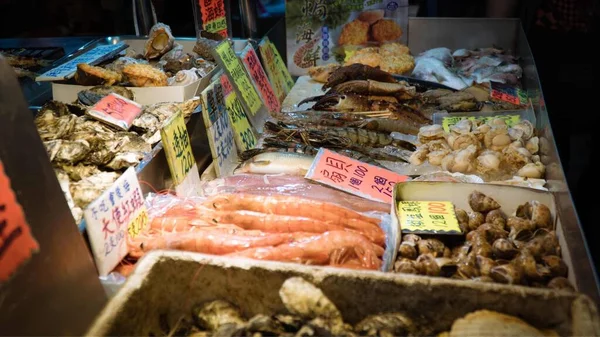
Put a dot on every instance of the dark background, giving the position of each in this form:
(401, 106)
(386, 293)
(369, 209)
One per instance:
(566, 62)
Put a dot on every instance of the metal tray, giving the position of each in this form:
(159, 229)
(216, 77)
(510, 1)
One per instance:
(166, 285)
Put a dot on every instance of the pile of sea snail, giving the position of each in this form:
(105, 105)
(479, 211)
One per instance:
(520, 249)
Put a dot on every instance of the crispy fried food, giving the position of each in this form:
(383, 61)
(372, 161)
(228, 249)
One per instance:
(393, 48)
(371, 17)
(145, 75)
(92, 75)
(372, 59)
(386, 30)
(354, 33)
(397, 64)
(321, 73)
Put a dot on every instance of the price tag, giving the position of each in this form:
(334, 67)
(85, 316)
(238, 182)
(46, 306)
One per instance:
(353, 176)
(510, 120)
(259, 79)
(236, 71)
(67, 69)
(176, 143)
(116, 110)
(280, 78)
(213, 16)
(245, 138)
(117, 213)
(17, 244)
(220, 134)
(428, 217)
(506, 93)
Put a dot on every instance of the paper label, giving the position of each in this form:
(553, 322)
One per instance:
(353, 176)
(220, 133)
(213, 16)
(176, 143)
(245, 138)
(17, 243)
(238, 75)
(507, 93)
(259, 79)
(280, 78)
(68, 68)
(510, 120)
(116, 110)
(117, 213)
(428, 217)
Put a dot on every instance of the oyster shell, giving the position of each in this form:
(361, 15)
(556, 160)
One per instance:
(160, 41)
(184, 77)
(492, 324)
(389, 324)
(92, 75)
(51, 127)
(80, 171)
(305, 300)
(120, 63)
(176, 60)
(124, 160)
(87, 190)
(65, 184)
(71, 151)
(216, 314)
(144, 75)
(204, 48)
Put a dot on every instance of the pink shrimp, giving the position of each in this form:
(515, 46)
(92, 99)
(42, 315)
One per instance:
(318, 250)
(287, 205)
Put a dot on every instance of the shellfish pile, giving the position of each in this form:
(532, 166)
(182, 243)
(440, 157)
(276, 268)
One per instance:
(491, 150)
(519, 249)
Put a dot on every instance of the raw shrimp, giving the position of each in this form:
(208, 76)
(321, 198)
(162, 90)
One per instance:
(216, 242)
(286, 205)
(318, 250)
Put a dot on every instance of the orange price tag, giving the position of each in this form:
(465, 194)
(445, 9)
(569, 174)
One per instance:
(116, 110)
(17, 244)
(259, 78)
(353, 176)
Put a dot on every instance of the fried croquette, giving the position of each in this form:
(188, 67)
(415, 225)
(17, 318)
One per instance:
(393, 48)
(386, 30)
(398, 64)
(91, 75)
(354, 33)
(372, 59)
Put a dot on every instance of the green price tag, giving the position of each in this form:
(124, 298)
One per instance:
(510, 120)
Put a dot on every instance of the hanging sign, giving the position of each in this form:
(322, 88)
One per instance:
(279, 76)
(213, 16)
(220, 133)
(353, 176)
(94, 56)
(116, 110)
(118, 213)
(17, 244)
(176, 142)
(259, 79)
(428, 217)
(245, 139)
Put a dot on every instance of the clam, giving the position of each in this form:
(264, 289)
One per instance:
(556, 265)
(463, 141)
(462, 127)
(506, 273)
(436, 157)
(533, 145)
(430, 132)
(160, 41)
(498, 123)
(496, 139)
(434, 247)
(419, 155)
(516, 157)
(480, 202)
(504, 249)
(406, 266)
(532, 170)
(438, 145)
(408, 250)
(488, 162)
(526, 127)
(476, 219)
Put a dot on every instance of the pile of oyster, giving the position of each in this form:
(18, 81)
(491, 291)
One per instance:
(491, 150)
(311, 313)
(88, 156)
(519, 249)
(162, 63)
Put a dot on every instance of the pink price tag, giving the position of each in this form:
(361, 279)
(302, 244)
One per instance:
(260, 79)
(227, 87)
(353, 176)
(116, 110)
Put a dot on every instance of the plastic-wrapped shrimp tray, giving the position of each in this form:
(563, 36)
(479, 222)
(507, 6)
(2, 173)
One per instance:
(166, 285)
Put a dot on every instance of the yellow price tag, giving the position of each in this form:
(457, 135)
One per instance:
(216, 25)
(428, 217)
(138, 224)
(176, 143)
(238, 75)
(282, 69)
(510, 120)
(244, 136)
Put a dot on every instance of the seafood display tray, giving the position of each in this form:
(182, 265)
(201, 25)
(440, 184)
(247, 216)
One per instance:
(67, 93)
(166, 285)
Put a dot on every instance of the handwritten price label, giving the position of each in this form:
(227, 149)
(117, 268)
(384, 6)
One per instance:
(506, 93)
(138, 224)
(280, 78)
(428, 217)
(17, 244)
(259, 79)
(245, 138)
(353, 176)
(112, 217)
(176, 143)
(116, 110)
(241, 80)
(510, 120)
(213, 16)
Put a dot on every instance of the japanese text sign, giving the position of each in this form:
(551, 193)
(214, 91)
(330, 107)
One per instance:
(239, 77)
(17, 244)
(510, 120)
(220, 133)
(259, 79)
(117, 214)
(353, 176)
(67, 69)
(280, 78)
(428, 217)
(213, 16)
(116, 110)
(506, 93)
(176, 143)
(245, 138)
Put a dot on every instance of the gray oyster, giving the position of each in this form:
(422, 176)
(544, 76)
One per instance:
(101, 155)
(165, 110)
(146, 122)
(80, 171)
(87, 190)
(132, 142)
(307, 301)
(71, 151)
(124, 160)
(52, 147)
(51, 127)
(65, 184)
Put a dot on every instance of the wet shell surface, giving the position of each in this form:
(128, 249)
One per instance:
(160, 41)
(144, 75)
(184, 77)
(492, 324)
